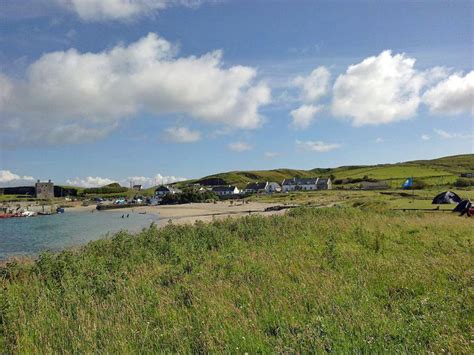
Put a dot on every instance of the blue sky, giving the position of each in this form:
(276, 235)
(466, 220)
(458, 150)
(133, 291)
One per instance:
(91, 94)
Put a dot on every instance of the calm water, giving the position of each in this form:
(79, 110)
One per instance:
(30, 236)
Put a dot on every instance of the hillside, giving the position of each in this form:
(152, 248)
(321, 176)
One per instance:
(439, 171)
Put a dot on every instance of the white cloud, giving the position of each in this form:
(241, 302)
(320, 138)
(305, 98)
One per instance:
(452, 96)
(100, 10)
(314, 86)
(5, 90)
(379, 140)
(145, 181)
(304, 115)
(158, 179)
(425, 137)
(83, 96)
(239, 146)
(182, 135)
(90, 181)
(453, 135)
(317, 146)
(379, 90)
(7, 178)
(271, 155)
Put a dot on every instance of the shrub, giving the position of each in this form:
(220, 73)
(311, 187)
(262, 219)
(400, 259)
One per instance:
(188, 196)
(464, 182)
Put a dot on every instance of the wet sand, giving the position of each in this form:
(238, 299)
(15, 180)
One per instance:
(192, 212)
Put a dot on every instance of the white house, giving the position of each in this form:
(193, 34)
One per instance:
(273, 187)
(306, 184)
(163, 190)
(225, 190)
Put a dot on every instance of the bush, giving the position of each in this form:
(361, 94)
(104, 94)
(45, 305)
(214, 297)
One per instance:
(188, 196)
(354, 180)
(105, 190)
(464, 182)
(418, 184)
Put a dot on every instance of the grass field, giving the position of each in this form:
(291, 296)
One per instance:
(435, 172)
(323, 280)
(392, 199)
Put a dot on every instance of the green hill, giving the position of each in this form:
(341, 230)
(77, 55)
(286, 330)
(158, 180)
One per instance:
(439, 171)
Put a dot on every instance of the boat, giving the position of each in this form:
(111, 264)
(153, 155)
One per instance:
(9, 215)
(59, 210)
(28, 214)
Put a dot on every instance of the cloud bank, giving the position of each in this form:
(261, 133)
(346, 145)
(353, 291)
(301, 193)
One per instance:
(70, 97)
(182, 135)
(452, 96)
(102, 10)
(317, 146)
(315, 85)
(239, 146)
(380, 89)
(8, 178)
(145, 181)
(304, 115)
(312, 88)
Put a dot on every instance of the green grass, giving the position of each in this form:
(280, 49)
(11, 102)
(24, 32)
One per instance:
(391, 199)
(336, 279)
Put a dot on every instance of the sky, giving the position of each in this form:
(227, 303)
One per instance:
(155, 91)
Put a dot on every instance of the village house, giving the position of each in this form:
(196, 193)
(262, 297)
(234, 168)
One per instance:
(255, 187)
(163, 190)
(324, 184)
(306, 184)
(225, 190)
(273, 187)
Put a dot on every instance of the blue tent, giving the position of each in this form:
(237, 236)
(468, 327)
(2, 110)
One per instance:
(408, 183)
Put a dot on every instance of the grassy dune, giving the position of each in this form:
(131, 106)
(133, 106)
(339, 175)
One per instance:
(336, 279)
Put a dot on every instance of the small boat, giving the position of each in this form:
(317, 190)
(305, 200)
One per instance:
(59, 210)
(28, 214)
(9, 215)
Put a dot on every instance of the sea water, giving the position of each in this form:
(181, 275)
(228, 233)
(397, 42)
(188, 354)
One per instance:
(29, 236)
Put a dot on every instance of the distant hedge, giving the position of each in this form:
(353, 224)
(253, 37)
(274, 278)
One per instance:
(188, 196)
(464, 182)
(354, 180)
(105, 190)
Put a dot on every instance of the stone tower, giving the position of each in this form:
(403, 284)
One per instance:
(44, 190)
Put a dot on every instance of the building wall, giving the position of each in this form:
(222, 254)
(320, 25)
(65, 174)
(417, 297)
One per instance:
(286, 188)
(44, 190)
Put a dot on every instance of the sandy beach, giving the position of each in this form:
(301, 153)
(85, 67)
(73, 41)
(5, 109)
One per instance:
(192, 212)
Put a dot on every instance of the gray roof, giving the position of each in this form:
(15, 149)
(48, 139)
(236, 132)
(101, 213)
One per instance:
(223, 188)
(300, 181)
(323, 182)
(256, 186)
(166, 189)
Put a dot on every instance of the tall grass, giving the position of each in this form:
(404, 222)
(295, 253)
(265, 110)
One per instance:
(315, 279)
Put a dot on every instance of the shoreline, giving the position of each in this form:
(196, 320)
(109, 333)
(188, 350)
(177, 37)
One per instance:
(176, 214)
(191, 212)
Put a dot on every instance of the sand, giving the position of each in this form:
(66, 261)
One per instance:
(192, 212)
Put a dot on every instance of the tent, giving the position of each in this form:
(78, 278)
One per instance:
(463, 207)
(446, 197)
